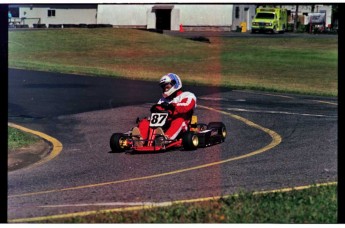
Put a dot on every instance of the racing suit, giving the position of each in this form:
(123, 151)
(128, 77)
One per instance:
(184, 104)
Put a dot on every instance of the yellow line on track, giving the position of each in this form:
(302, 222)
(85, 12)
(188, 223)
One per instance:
(276, 139)
(57, 146)
(156, 205)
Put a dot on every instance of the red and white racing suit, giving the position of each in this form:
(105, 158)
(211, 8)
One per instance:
(184, 104)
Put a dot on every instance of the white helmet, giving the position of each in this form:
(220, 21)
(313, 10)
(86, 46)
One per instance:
(172, 79)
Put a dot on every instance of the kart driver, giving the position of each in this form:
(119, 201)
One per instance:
(179, 104)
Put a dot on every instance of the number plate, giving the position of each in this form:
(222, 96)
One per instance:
(158, 119)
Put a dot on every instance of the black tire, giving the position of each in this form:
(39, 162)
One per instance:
(220, 128)
(190, 141)
(116, 142)
(282, 31)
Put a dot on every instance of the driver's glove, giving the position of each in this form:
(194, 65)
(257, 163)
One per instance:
(168, 106)
(165, 105)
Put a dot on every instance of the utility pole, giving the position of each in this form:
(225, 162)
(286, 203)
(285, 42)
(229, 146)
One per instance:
(296, 19)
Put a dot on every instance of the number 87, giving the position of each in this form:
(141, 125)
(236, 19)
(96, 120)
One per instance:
(158, 118)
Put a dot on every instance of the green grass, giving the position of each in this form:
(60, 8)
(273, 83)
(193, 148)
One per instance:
(313, 205)
(283, 65)
(296, 65)
(18, 139)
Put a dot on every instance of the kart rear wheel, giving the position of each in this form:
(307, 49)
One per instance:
(190, 141)
(221, 129)
(118, 142)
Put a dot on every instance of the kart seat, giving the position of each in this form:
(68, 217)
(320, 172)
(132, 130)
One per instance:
(193, 120)
(193, 123)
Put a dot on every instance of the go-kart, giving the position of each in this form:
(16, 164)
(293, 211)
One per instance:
(197, 135)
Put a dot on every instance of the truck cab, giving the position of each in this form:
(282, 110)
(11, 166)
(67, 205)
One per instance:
(270, 20)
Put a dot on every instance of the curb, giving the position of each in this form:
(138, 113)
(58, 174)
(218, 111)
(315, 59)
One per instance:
(57, 145)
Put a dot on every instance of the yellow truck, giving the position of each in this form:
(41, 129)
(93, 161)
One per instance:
(270, 19)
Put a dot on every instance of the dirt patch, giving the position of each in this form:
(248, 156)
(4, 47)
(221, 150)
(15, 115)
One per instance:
(23, 157)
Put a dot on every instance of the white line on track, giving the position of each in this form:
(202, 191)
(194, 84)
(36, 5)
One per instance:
(264, 94)
(278, 112)
(213, 98)
(326, 102)
(219, 99)
(111, 204)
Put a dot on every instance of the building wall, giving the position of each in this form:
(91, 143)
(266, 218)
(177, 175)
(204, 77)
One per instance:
(190, 16)
(205, 15)
(36, 15)
(245, 13)
(124, 15)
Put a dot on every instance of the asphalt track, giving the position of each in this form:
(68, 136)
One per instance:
(275, 141)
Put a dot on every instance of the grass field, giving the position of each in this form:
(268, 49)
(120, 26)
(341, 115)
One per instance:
(297, 65)
(314, 205)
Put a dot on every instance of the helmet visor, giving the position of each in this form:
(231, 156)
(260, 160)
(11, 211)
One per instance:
(166, 87)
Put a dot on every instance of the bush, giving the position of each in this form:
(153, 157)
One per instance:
(301, 28)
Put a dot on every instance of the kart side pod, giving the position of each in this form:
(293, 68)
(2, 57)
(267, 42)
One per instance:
(214, 134)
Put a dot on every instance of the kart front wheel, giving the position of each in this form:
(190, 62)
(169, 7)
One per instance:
(118, 142)
(190, 141)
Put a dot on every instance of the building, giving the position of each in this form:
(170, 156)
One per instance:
(167, 16)
(243, 15)
(59, 14)
(201, 17)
